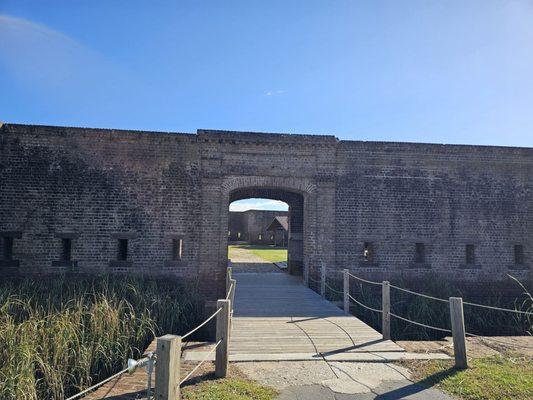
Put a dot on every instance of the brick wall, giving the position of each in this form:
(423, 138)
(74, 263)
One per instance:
(98, 186)
(252, 223)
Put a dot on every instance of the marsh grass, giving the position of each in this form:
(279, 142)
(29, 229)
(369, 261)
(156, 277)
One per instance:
(61, 334)
(479, 321)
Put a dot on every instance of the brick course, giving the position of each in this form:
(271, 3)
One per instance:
(98, 184)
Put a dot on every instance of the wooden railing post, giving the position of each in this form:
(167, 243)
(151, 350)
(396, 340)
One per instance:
(223, 323)
(458, 332)
(323, 280)
(385, 316)
(346, 290)
(228, 279)
(167, 368)
(233, 285)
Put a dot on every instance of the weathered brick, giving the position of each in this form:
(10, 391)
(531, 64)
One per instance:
(155, 186)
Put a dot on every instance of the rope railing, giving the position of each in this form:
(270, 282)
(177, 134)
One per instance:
(455, 304)
(364, 280)
(364, 305)
(421, 324)
(491, 339)
(333, 289)
(228, 295)
(528, 313)
(202, 324)
(201, 362)
(132, 366)
(419, 294)
(169, 350)
(97, 385)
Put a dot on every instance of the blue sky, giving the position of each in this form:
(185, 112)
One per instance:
(424, 71)
(258, 204)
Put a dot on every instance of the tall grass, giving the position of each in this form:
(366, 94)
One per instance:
(479, 321)
(61, 334)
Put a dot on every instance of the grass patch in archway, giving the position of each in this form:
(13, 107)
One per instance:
(270, 254)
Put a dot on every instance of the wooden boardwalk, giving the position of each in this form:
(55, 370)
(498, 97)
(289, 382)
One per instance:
(277, 318)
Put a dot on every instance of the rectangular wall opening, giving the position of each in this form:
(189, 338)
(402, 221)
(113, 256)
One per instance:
(420, 253)
(122, 249)
(470, 254)
(66, 249)
(8, 248)
(519, 254)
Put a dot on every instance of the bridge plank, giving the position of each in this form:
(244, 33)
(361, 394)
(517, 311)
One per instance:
(275, 315)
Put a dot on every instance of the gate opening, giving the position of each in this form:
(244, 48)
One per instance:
(265, 231)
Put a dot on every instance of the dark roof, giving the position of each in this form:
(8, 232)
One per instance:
(280, 221)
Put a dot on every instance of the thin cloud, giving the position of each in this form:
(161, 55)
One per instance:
(274, 92)
(49, 61)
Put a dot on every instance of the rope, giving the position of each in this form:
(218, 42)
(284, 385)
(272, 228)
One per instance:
(98, 384)
(490, 339)
(200, 363)
(365, 306)
(498, 308)
(419, 294)
(202, 324)
(229, 291)
(365, 280)
(313, 280)
(333, 290)
(420, 324)
(529, 313)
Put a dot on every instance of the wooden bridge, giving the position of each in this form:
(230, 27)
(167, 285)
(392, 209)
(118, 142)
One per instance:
(276, 317)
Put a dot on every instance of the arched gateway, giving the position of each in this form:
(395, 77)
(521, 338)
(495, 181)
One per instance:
(291, 168)
(97, 200)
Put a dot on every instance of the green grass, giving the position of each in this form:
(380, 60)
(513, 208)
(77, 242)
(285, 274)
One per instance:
(229, 389)
(61, 334)
(489, 378)
(268, 253)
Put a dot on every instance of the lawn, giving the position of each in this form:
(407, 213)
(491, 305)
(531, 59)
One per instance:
(489, 378)
(229, 389)
(268, 253)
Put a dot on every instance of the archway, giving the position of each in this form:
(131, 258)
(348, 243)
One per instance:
(295, 202)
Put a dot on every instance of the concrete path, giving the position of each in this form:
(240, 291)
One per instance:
(339, 381)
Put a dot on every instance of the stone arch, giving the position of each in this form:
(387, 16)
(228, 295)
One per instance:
(299, 185)
(297, 193)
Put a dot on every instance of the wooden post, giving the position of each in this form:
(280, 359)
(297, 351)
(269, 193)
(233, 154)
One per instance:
(323, 280)
(458, 332)
(385, 316)
(232, 305)
(221, 360)
(228, 279)
(167, 368)
(232, 295)
(346, 290)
